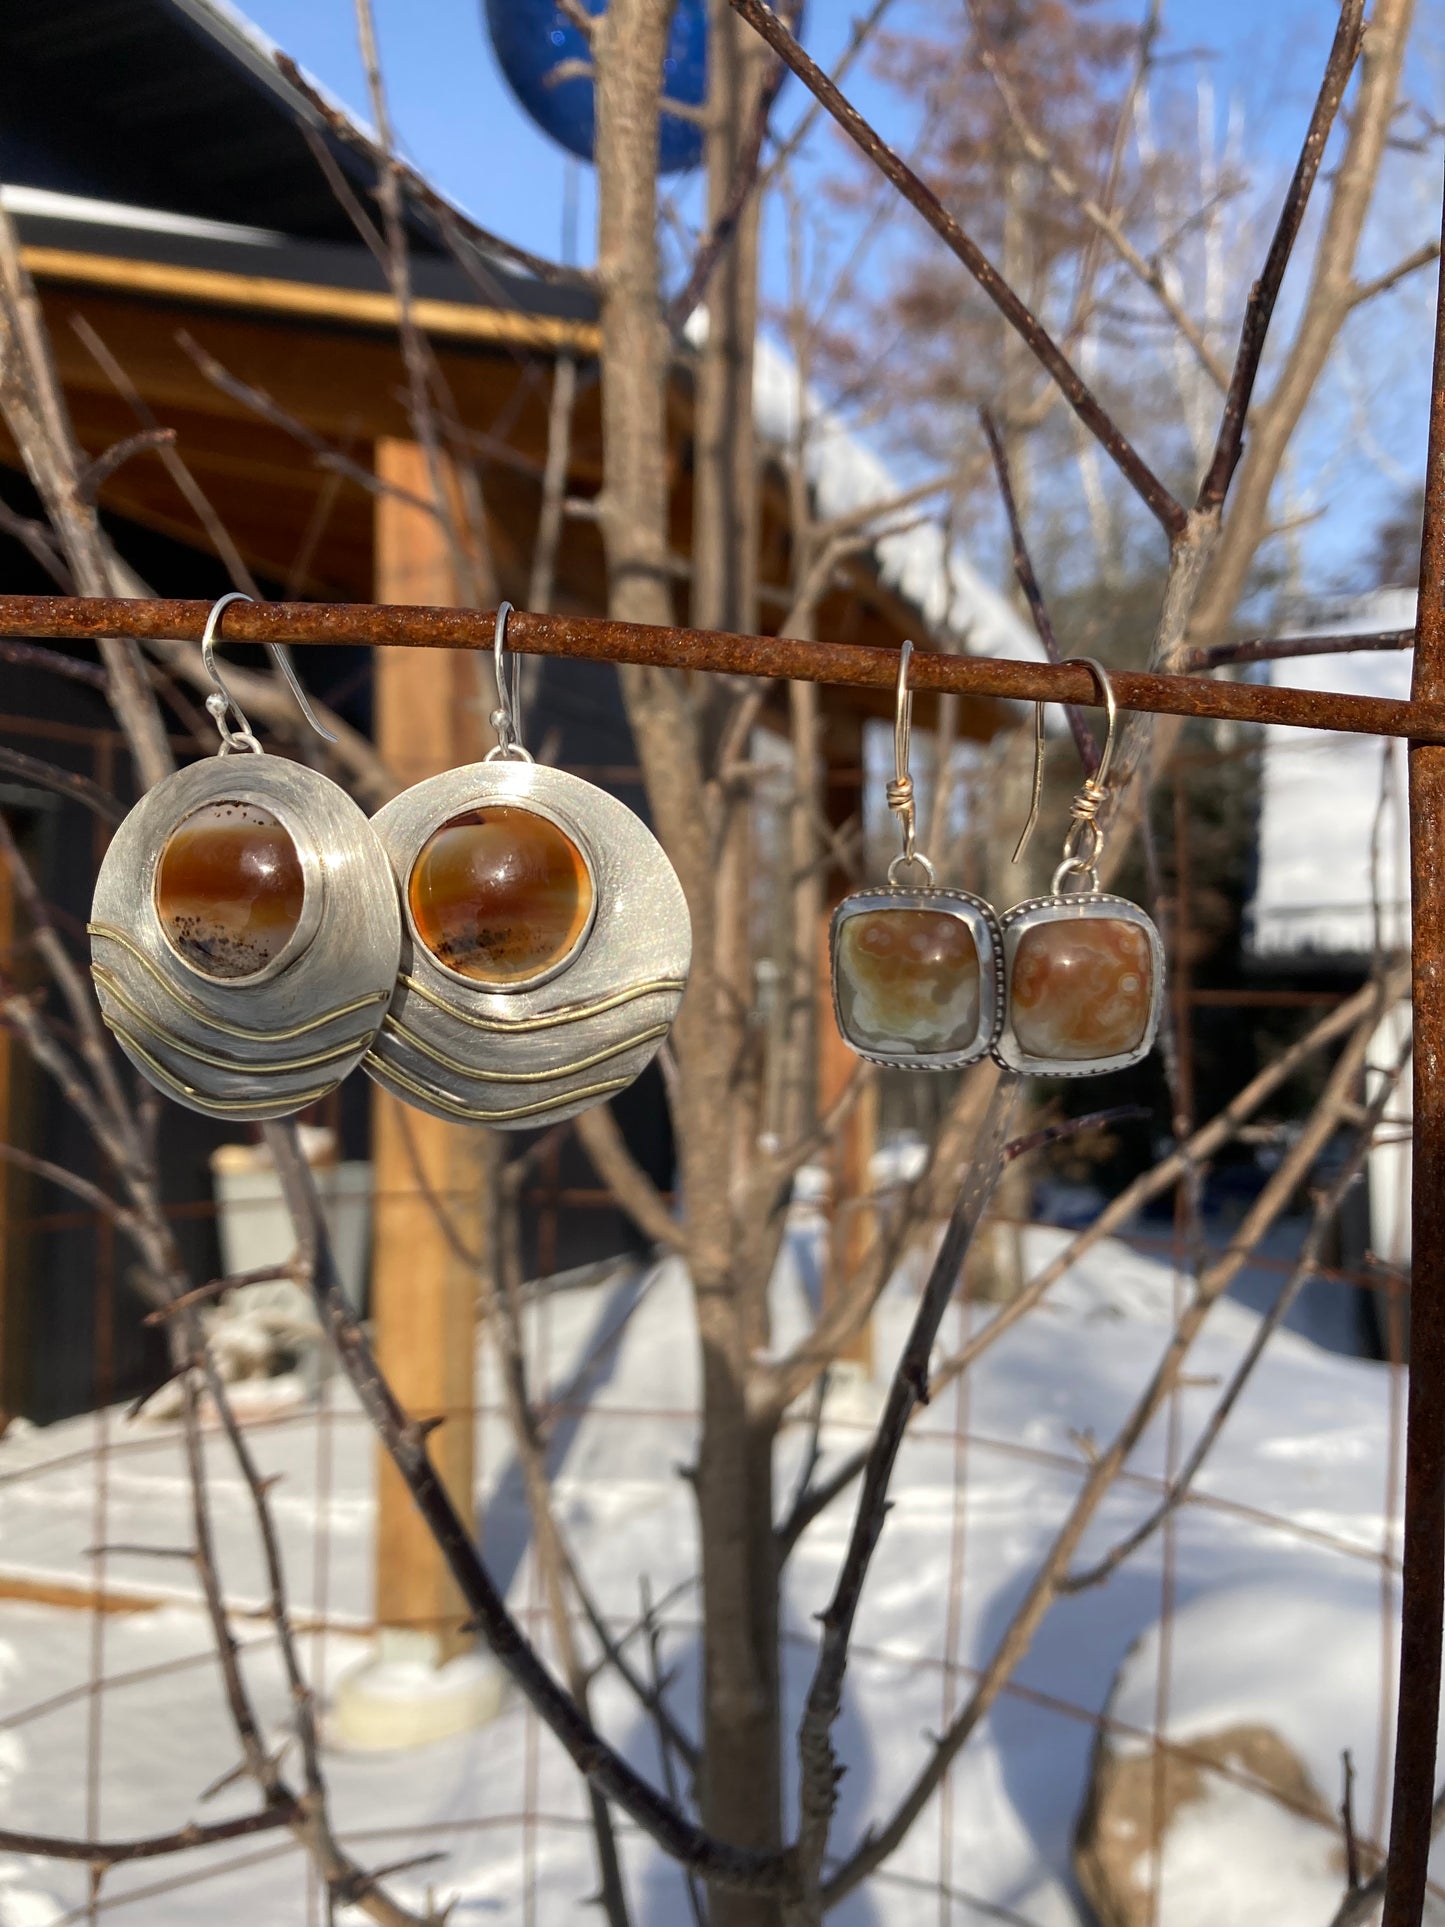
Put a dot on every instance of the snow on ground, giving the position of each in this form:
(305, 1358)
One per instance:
(1276, 1573)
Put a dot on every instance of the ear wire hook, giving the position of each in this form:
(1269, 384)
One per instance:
(900, 794)
(1092, 794)
(506, 717)
(221, 704)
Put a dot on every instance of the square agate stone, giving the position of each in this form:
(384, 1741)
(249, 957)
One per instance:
(916, 977)
(1084, 975)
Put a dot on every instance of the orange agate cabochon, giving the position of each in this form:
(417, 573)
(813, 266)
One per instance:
(907, 981)
(500, 895)
(1082, 988)
(229, 889)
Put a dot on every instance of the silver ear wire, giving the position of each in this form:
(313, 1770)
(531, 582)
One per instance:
(221, 704)
(506, 718)
(1095, 785)
(901, 799)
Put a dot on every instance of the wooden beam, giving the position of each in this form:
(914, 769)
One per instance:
(268, 294)
(430, 1178)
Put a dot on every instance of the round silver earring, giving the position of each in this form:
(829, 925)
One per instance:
(1084, 969)
(545, 938)
(916, 969)
(244, 930)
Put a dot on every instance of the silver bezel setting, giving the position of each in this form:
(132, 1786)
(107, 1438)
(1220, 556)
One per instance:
(537, 807)
(270, 1044)
(1057, 907)
(527, 1055)
(313, 879)
(983, 926)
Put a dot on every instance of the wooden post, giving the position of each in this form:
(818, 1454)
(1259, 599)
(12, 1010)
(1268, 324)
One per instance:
(430, 1179)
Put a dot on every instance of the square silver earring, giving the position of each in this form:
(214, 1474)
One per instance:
(1083, 969)
(916, 970)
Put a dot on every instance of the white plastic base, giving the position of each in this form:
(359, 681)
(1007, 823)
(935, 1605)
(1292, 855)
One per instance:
(399, 1697)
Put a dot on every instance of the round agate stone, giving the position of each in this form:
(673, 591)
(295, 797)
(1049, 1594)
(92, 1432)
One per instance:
(908, 980)
(1081, 989)
(229, 889)
(500, 895)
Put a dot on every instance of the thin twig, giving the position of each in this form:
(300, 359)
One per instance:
(819, 1765)
(1287, 648)
(679, 1837)
(1076, 391)
(1109, 1461)
(664, 1734)
(1108, 225)
(1029, 585)
(1326, 1211)
(1349, 35)
(93, 479)
(64, 782)
(420, 191)
(117, 1853)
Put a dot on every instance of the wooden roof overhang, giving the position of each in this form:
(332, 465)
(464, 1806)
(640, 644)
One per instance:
(314, 328)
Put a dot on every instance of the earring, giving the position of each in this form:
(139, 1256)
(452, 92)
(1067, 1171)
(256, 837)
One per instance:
(545, 938)
(244, 930)
(917, 976)
(1084, 969)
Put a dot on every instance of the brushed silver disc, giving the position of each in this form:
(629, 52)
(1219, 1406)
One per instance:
(266, 1045)
(521, 1056)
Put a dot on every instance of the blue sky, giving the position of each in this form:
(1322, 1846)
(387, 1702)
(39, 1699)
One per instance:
(458, 121)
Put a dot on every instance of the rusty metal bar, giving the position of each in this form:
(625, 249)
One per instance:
(1423, 1591)
(81, 618)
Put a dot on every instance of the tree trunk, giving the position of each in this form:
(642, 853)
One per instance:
(725, 540)
(739, 1788)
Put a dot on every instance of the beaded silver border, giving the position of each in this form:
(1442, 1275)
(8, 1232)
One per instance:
(985, 929)
(267, 1045)
(528, 1055)
(1053, 908)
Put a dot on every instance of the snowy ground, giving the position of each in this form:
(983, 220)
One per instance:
(1281, 1612)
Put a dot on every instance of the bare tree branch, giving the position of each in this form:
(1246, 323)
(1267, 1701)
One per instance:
(1108, 225)
(1160, 502)
(1421, 257)
(1341, 63)
(1033, 595)
(679, 1837)
(819, 1765)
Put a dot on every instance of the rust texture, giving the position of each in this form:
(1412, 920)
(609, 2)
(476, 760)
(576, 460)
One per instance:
(1423, 1589)
(80, 618)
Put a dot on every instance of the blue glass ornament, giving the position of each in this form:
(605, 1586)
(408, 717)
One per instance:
(532, 38)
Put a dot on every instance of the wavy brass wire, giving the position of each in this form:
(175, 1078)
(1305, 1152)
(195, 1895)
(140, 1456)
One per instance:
(196, 1009)
(224, 1106)
(112, 988)
(418, 1043)
(548, 1020)
(389, 1073)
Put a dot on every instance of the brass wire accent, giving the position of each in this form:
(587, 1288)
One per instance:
(417, 1043)
(112, 988)
(389, 1074)
(194, 1008)
(548, 1019)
